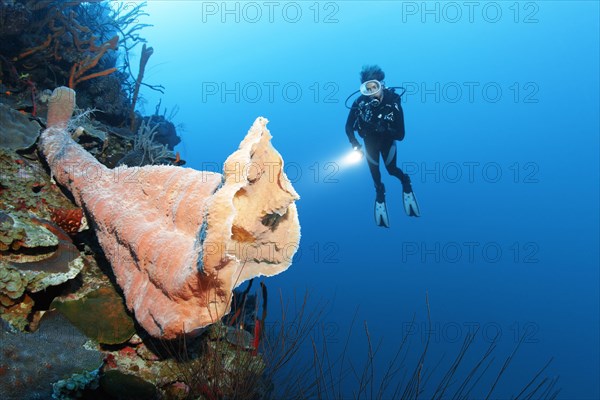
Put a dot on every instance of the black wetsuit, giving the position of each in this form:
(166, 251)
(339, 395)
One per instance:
(380, 126)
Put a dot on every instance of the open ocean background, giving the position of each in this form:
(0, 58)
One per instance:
(502, 144)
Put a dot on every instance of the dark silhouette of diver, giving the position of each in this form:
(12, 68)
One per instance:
(378, 118)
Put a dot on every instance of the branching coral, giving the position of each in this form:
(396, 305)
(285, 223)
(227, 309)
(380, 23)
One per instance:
(126, 19)
(84, 45)
(62, 38)
(151, 152)
(146, 53)
(81, 67)
(71, 43)
(146, 149)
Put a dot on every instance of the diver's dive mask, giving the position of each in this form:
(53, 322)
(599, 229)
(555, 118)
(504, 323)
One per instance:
(371, 88)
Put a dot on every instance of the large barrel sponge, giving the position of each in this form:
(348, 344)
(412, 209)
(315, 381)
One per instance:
(180, 240)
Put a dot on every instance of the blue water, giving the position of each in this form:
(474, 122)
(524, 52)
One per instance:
(502, 122)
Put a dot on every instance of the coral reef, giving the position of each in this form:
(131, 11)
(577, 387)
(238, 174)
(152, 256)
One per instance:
(74, 386)
(26, 187)
(100, 314)
(48, 43)
(44, 257)
(14, 18)
(31, 362)
(179, 240)
(218, 229)
(35, 253)
(145, 149)
(63, 34)
(19, 231)
(144, 57)
(214, 365)
(17, 132)
(165, 133)
(70, 220)
(12, 285)
(38, 256)
(122, 385)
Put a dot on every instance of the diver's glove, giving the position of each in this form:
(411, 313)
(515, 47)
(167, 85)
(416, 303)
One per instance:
(356, 145)
(357, 150)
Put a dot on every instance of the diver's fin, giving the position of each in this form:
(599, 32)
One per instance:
(381, 215)
(410, 204)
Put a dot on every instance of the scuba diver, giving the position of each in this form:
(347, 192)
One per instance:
(378, 118)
